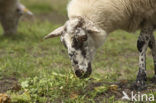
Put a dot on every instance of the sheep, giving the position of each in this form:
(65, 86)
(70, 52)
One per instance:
(91, 21)
(10, 13)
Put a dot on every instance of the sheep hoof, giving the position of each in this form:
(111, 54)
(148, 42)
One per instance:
(140, 82)
(140, 85)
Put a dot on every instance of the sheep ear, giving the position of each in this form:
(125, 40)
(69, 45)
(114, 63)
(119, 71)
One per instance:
(24, 10)
(28, 12)
(90, 27)
(58, 32)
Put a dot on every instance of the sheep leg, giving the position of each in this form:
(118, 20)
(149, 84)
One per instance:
(142, 45)
(152, 45)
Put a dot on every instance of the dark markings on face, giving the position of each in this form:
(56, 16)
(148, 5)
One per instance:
(79, 45)
(75, 61)
(83, 52)
(71, 54)
(81, 74)
(78, 73)
(89, 71)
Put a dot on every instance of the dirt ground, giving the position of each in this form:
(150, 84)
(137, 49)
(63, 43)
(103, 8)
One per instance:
(12, 84)
(123, 85)
(9, 83)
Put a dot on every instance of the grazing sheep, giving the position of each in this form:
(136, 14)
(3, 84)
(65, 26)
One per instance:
(10, 13)
(91, 21)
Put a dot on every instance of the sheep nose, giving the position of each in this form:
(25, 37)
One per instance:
(78, 73)
(81, 74)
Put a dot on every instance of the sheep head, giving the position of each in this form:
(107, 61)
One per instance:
(77, 37)
(10, 17)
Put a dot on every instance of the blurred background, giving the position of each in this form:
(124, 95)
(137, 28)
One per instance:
(53, 11)
(33, 70)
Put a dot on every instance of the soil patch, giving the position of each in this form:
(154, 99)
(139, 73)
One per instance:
(9, 83)
(124, 85)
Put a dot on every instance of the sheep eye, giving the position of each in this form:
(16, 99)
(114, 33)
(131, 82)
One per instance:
(82, 38)
(19, 11)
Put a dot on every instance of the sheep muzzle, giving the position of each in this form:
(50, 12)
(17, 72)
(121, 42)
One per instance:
(81, 74)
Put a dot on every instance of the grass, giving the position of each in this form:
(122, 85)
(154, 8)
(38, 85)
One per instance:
(44, 71)
(38, 6)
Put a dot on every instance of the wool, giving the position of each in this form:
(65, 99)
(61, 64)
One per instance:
(111, 15)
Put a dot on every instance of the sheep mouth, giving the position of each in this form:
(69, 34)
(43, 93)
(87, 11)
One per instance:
(81, 74)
